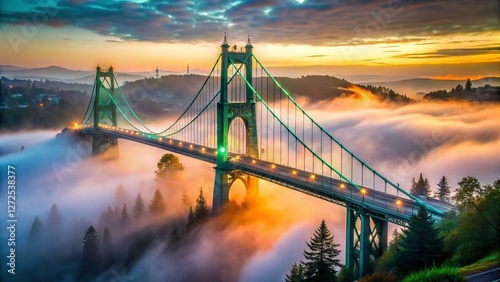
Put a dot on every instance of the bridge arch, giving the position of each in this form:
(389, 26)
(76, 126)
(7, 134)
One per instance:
(238, 131)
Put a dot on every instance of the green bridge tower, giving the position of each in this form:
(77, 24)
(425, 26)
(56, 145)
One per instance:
(227, 112)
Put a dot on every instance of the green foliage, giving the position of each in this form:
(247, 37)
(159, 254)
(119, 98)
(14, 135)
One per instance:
(378, 277)
(443, 192)
(420, 246)
(387, 262)
(91, 259)
(36, 229)
(420, 187)
(489, 262)
(478, 227)
(436, 275)
(321, 259)
(296, 273)
(157, 205)
(168, 165)
(468, 193)
(346, 275)
(138, 210)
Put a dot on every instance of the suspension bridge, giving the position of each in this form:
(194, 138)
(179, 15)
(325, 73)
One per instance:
(246, 124)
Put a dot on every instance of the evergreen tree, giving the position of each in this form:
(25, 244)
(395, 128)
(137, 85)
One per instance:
(106, 239)
(54, 218)
(468, 85)
(138, 210)
(321, 260)
(191, 220)
(36, 229)
(168, 164)
(201, 211)
(468, 193)
(124, 218)
(107, 248)
(420, 246)
(157, 205)
(443, 192)
(296, 273)
(121, 196)
(91, 259)
(420, 187)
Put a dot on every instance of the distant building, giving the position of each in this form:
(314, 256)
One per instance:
(16, 96)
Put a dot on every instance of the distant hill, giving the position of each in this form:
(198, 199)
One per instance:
(324, 87)
(412, 87)
(56, 73)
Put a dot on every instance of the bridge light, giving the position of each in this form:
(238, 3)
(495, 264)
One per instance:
(398, 202)
(203, 149)
(294, 172)
(170, 141)
(313, 176)
(180, 143)
(160, 139)
(222, 149)
(363, 191)
(254, 161)
(75, 125)
(191, 146)
(342, 185)
(273, 166)
(238, 157)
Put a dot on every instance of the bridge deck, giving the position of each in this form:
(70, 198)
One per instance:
(375, 203)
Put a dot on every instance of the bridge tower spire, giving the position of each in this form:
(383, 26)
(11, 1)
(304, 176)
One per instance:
(228, 111)
(104, 110)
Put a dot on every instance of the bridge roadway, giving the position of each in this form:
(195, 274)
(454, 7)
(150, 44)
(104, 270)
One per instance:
(375, 203)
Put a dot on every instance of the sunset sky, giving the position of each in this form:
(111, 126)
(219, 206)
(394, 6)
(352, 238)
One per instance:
(393, 37)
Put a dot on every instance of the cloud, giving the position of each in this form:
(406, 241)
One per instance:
(452, 53)
(310, 22)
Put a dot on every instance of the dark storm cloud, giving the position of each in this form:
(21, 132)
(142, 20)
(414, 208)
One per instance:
(290, 22)
(452, 52)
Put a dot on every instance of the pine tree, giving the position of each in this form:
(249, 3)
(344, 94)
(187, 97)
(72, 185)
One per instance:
(54, 218)
(121, 196)
(36, 229)
(106, 239)
(124, 217)
(296, 273)
(420, 187)
(201, 211)
(191, 220)
(468, 85)
(321, 260)
(107, 248)
(157, 205)
(138, 210)
(420, 246)
(443, 192)
(91, 259)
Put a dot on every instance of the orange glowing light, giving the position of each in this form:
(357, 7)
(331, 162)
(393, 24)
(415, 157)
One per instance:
(180, 143)
(363, 191)
(398, 202)
(203, 149)
(254, 161)
(294, 172)
(75, 124)
(273, 166)
(342, 185)
(313, 176)
(191, 146)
